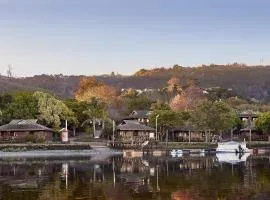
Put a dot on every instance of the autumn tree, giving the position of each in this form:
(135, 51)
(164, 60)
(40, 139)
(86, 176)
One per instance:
(90, 88)
(174, 84)
(130, 93)
(186, 101)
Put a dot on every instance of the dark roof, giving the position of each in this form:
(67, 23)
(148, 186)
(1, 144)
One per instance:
(130, 125)
(247, 113)
(21, 125)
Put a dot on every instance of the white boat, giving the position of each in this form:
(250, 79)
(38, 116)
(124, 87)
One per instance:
(232, 147)
(177, 153)
(232, 158)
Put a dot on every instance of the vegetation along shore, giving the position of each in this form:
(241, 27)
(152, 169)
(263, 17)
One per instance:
(178, 106)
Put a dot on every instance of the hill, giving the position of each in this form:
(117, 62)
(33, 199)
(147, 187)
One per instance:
(247, 81)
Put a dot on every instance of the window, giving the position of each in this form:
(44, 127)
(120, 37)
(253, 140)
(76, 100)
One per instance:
(135, 133)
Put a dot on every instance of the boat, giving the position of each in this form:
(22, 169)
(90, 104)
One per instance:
(232, 158)
(232, 147)
(177, 153)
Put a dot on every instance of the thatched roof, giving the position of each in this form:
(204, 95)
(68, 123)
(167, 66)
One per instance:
(21, 125)
(130, 125)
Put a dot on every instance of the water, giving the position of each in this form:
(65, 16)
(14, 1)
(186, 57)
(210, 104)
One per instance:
(116, 178)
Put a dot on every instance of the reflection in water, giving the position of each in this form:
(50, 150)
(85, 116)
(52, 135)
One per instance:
(186, 177)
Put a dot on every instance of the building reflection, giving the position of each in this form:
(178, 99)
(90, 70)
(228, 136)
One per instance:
(128, 177)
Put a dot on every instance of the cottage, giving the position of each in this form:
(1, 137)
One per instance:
(141, 116)
(188, 133)
(19, 128)
(133, 131)
(248, 129)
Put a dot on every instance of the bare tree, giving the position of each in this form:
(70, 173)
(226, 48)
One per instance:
(9, 71)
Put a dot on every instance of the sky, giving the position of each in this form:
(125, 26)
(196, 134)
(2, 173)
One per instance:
(100, 36)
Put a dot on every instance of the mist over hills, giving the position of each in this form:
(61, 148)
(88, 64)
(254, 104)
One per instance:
(247, 81)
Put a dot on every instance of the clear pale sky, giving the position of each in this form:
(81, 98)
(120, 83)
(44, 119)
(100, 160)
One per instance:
(101, 36)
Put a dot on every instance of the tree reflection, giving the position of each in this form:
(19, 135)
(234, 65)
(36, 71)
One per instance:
(188, 177)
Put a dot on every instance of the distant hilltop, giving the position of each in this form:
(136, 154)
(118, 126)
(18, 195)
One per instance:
(247, 81)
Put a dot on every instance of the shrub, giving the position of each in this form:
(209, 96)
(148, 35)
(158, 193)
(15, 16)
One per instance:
(33, 139)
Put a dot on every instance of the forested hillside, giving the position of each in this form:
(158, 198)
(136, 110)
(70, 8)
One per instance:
(247, 81)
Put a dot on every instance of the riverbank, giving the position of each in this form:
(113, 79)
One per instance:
(14, 147)
(43, 147)
(186, 145)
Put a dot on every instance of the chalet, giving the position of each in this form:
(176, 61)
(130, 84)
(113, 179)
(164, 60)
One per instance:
(133, 131)
(19, 128)
(248, 129)
(141, 116)
(188, 133)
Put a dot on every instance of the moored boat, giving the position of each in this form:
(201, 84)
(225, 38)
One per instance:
(232, 147)
(177, 153)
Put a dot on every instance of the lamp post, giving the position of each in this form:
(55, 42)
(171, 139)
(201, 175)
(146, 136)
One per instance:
(113, 132)
(157, 126)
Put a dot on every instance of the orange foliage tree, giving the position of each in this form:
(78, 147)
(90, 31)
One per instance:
(187, 99)
(90, 88)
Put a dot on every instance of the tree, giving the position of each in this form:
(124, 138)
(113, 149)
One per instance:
(186, 101)
(9, 71)
(5, 100)
(130, 93)
(166, 119)
(174, 84)
(53, 111)
(216, 116)
(159, 105)
(263, 122)
(96, 110)
(138, 103)
(23, 106)
(78, 108)
(91, 88)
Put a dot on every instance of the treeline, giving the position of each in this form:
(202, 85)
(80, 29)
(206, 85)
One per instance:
(248, 81)
(97, 104)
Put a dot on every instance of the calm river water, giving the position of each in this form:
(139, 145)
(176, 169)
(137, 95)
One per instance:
(116, 178)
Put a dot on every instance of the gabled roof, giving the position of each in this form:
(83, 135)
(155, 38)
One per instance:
(130, 125)
(247, 113)
(21, 125)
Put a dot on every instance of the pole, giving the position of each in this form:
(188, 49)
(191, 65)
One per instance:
(113, 132)
(189, 136)
(157, 127)
(94, 127)
(167, 138)
(250, 135)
